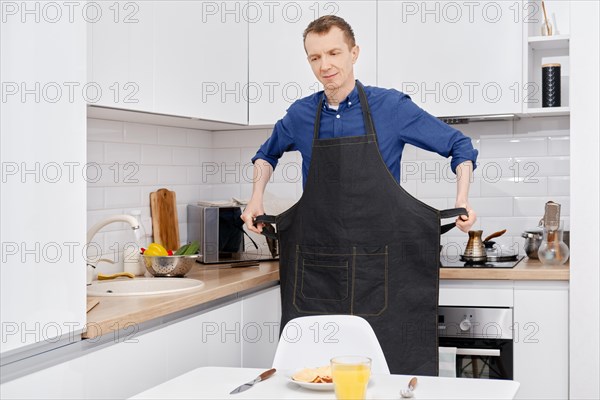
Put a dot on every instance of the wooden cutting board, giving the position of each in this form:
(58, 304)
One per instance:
(165, 225)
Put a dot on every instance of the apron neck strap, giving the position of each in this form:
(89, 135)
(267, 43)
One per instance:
(366, 111)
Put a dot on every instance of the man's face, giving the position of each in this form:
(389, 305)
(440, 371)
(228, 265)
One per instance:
(331, 59)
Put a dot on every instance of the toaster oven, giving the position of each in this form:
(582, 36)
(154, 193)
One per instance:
(223, 238)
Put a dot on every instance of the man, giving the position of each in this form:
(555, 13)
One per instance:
(356, 242)
(332, 52)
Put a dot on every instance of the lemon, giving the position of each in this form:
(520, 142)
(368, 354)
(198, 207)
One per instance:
(155, 249)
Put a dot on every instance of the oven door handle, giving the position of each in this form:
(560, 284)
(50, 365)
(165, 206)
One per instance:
(478, 352)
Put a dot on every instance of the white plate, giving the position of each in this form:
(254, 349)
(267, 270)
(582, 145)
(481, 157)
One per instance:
(314, 386)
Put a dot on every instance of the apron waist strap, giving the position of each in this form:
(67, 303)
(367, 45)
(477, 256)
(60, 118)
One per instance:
(267, 219)
(449, 213)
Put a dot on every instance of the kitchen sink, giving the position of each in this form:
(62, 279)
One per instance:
(143, 286)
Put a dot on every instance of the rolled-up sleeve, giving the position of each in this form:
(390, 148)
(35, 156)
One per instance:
(421, 129)
(278, 143)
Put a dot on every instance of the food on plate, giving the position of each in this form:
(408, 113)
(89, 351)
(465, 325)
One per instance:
(314, 375)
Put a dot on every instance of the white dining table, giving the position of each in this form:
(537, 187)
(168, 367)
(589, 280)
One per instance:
(217, 382)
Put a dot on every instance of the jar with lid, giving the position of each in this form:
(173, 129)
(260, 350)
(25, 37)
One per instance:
(553, 250)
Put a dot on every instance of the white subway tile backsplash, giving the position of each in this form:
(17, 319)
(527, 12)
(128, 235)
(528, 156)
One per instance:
(492, 129)
(157, 155)
(559, 185)
(186, 156)
(172, 175)
(532, 206)
(409, 153)
(198, 138)
(425, 170)
(226, 191)
(121, 153)
(532, 167)
(202, 165)
(492, 206)
(509, 187)
(241, 138)
(95, 152)
(102, 130)
(144, 175)
(494, 148)
(228, 156)
(195, 176)
(171, 136)
(559, 145)
(547, 126)
(442, 188)
(122, 196)
(141, 133)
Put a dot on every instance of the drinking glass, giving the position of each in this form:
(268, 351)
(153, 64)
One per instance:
(350, 377)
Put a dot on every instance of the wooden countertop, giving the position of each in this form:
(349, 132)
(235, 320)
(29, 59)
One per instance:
(526, 270)
(113, 313)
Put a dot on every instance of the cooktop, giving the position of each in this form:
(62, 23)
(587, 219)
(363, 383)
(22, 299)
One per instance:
(455, 262)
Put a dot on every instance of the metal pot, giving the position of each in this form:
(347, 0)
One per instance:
(533, 239)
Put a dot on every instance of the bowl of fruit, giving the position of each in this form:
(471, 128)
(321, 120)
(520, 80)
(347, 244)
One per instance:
(162, 262)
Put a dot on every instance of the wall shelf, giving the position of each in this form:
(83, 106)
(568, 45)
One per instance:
(549, 42)
(546, 112)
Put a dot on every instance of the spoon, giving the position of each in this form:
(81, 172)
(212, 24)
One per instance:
(412, 384)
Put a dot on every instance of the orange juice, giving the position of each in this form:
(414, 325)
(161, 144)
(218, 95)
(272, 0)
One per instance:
(350, 379)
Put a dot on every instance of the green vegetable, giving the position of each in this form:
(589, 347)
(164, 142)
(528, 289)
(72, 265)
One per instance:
(180, 251)
(192, 249)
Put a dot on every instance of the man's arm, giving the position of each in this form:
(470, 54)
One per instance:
(464, 174)
(262, 172)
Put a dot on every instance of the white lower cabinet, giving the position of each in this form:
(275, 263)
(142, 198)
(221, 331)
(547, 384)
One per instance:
(261, 317)
(541, 358)
(540, 328)
(132, 362)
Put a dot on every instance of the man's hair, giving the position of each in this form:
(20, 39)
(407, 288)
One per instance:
(323, 24)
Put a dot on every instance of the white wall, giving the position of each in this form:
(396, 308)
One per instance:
(585, 278)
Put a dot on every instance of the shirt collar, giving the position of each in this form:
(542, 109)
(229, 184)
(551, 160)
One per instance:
(349, 101)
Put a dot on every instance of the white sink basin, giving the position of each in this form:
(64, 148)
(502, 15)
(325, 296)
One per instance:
(143, 286)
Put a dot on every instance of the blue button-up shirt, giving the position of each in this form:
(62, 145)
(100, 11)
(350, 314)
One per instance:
(396, 118)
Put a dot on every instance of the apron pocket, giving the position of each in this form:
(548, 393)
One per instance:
(322, 281)
(370, 280)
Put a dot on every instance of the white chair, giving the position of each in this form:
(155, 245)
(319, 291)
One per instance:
(309, 342)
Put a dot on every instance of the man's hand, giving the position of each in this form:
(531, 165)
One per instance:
(463, 222)
(253, 210)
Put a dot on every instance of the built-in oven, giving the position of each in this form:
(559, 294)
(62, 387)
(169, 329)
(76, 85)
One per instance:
(483, 339)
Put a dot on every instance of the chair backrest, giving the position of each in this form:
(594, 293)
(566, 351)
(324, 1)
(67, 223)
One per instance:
(309, 342)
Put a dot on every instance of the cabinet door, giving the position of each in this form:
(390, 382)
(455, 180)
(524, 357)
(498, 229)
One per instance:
(261, 318)
(122, 56)
(42, 193)
(541, 340)
(453, 58)
(201, 59)
(278, 70)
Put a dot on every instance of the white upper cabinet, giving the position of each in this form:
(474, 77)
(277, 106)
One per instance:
(453, 58)
(184, 58)
(122, 55)
(279, 72)
(201, 59)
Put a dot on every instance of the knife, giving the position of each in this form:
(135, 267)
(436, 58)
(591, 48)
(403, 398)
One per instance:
(261, 377)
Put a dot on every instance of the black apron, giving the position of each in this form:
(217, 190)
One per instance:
(357, 243)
